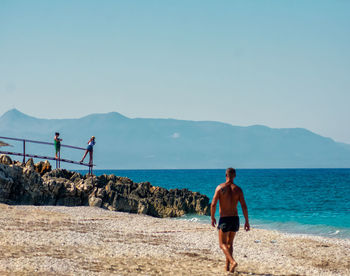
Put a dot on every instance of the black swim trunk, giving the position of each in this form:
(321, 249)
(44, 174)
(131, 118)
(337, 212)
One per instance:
(227, 224)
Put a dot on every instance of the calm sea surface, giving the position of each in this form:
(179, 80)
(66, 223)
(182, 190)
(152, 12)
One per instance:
(305, 201)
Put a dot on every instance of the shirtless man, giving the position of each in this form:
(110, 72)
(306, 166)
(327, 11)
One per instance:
(229, 194)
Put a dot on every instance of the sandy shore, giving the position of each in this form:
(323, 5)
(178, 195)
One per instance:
(51, 240)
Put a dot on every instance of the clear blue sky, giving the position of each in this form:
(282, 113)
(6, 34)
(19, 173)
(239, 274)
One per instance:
(276, 63)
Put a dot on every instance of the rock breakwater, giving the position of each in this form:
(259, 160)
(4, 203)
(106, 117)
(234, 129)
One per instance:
(37, 184)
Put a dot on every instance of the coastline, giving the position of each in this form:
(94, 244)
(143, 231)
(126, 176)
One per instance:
(285, 213)
(290, 228)
(55, 240)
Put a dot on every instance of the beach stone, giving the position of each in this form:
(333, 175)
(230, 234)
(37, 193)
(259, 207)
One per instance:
(95, 201)
(38, 184)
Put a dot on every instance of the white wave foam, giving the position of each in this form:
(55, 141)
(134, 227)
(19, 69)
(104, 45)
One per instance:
(335, 233)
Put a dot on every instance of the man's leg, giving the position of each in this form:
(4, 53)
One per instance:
(231, 237)
(227, 260)
(223, 241)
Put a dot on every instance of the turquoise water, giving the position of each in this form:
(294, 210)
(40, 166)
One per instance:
(305, 201)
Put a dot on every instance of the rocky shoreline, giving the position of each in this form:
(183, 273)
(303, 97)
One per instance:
(37, 184)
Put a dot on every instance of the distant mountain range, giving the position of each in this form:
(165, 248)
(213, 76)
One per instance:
(125, 143)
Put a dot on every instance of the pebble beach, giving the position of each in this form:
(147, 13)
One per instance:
(51, 240)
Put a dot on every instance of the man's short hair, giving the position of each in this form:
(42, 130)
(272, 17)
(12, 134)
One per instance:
(230, 172)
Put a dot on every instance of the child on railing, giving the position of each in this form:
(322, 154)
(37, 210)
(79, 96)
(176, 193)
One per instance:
(89, 149)
(57, 142)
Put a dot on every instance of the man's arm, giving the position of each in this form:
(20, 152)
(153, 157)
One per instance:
(213, 207)
(245, 211)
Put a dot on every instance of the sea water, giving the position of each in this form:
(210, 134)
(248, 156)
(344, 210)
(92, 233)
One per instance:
(303, 201)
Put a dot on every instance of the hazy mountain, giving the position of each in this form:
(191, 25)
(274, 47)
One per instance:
(122, 142)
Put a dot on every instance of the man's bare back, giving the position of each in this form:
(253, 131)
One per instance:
(229, 194)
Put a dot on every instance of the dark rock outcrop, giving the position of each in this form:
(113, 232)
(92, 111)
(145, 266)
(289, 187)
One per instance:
(36, 184)
(43, 167)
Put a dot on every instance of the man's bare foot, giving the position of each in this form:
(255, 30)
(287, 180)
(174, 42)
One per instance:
(233, 266)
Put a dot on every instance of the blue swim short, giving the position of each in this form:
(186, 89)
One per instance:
(229, 224)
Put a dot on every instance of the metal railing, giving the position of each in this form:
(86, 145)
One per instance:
(58, 160)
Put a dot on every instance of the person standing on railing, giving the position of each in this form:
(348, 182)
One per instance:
(89, 149)
(57, 142)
